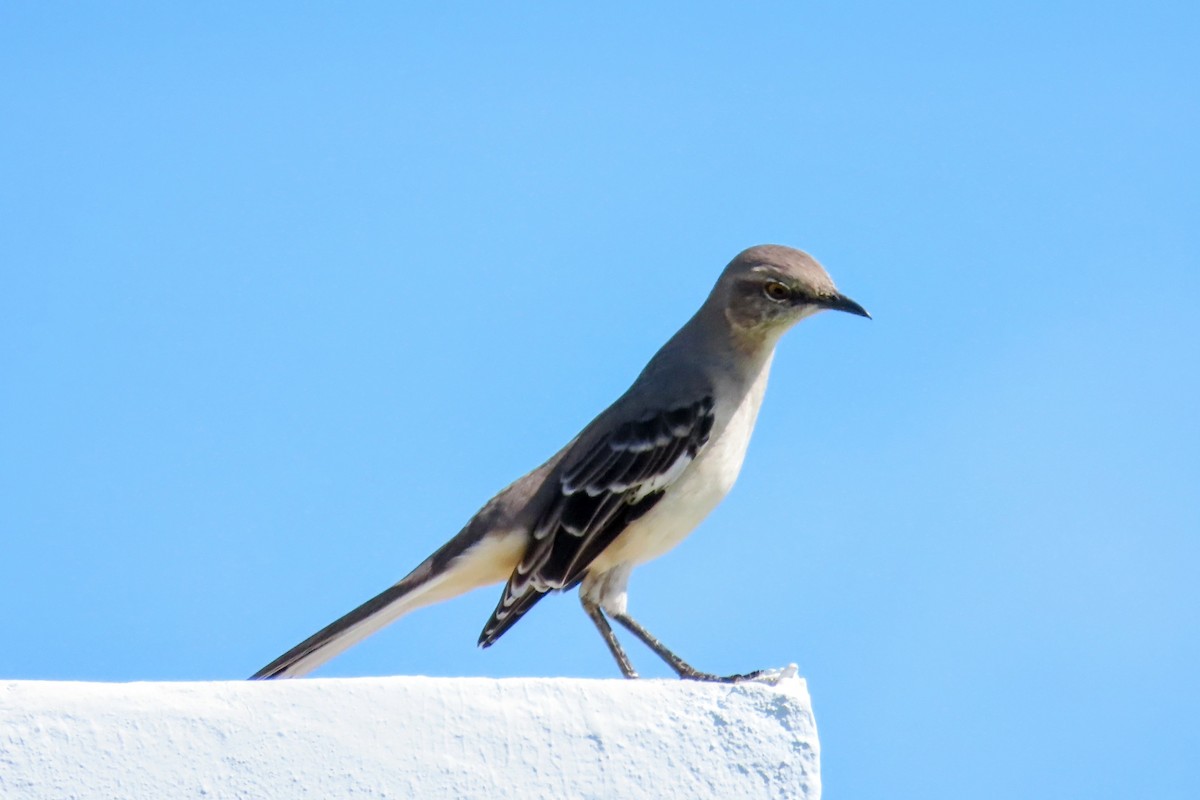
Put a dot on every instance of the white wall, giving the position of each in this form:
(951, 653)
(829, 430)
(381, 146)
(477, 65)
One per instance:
(407, 737)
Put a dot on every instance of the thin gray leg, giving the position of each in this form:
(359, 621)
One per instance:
(681, 667)
(610, 639)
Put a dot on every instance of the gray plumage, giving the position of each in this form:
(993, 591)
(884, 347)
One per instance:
(631, 485)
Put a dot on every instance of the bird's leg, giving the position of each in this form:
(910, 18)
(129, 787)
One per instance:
(610, 638)
(682, 668)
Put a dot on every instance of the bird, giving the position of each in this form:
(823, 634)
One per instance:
(629, 487)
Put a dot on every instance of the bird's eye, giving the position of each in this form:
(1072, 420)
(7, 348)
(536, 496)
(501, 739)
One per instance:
(777, 291)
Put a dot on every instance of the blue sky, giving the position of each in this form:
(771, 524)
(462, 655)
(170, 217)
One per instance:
(289, 292)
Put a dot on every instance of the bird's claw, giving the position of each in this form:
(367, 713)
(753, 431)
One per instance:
(768, 676)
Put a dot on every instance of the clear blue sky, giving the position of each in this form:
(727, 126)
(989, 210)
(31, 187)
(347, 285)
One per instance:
(288, 293)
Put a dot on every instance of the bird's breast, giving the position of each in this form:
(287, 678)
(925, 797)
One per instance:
(700, 488)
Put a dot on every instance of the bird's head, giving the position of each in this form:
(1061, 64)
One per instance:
(767, 289)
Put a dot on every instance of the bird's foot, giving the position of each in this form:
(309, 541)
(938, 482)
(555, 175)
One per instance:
(768, 676)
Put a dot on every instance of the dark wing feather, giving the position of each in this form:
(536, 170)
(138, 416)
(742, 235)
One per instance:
(601, 491)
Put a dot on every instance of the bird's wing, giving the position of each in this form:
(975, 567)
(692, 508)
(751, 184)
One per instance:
(603, 486)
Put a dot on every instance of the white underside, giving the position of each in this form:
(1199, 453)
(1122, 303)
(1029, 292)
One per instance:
(699, 489)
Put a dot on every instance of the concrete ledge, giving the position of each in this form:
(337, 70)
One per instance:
(407, 738)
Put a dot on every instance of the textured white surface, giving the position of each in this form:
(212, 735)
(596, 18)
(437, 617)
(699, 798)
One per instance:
(407, 737)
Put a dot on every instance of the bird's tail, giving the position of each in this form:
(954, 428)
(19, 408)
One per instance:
(440, 577)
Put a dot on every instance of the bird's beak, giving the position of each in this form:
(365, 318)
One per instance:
(839, 302)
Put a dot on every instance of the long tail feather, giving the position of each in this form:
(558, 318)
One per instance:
(490, 560)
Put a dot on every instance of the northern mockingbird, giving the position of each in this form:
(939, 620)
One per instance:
(630, 486)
